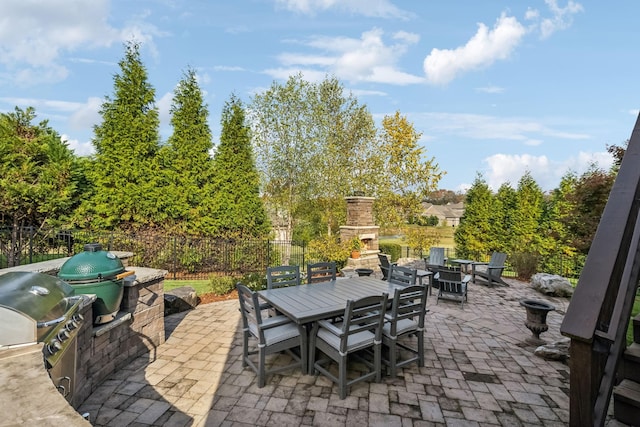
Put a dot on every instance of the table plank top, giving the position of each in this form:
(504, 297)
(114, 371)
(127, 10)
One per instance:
(308, 303)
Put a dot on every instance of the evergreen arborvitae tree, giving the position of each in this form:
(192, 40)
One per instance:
(38, 179)
(126, 142)
(472, 236)
(187, 164)
(236, 209)
(528, 216)
(502, 218)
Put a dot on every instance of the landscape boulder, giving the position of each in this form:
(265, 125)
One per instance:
(558, 350)
(179, 299)
(552, 285)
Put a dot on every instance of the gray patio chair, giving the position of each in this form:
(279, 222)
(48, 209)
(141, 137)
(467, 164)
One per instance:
(273, 335)
(385, 265)
(321, 272)
(284, 275)
(405, 318)
(435, 260)
(360, 329)
(404, 276)
(452, 285)
(489, 273)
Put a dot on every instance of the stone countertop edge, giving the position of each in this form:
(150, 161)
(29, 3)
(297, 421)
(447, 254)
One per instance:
(27, 396)
(53, 266)
(144, 275)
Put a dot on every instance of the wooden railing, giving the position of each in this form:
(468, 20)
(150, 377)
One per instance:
(599, 312)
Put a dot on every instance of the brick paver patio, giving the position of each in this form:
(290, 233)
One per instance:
(479, 371)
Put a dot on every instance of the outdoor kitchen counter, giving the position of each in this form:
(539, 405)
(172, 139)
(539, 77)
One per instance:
(27, 396)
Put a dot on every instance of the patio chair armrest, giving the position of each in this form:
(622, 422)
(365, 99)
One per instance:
(479, 263)
(496, 267)
(272, 322)
(330, 327)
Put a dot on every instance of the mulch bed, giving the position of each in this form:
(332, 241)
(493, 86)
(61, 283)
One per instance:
(209, 298)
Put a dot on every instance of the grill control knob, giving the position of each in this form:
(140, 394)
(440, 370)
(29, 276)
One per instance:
(71, 325)
(63, 335)
(54, 346)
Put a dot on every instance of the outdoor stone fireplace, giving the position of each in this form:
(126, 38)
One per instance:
(360, 224)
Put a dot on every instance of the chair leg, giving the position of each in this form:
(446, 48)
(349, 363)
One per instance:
(245, 348)
(261, 367)
(342, 377)
(377, 361)
(420, 336)
(393, 368)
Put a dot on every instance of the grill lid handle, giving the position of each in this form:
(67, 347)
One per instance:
(93, 247)
(39, 291)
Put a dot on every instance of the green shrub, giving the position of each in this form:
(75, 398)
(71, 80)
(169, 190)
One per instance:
(394, 250)
(328, 248)
(254, 281)
(222, 285)
(525, 263)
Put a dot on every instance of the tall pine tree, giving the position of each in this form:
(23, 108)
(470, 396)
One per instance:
(126, 142)
(471, 236)
(187, 164)
(236, 210)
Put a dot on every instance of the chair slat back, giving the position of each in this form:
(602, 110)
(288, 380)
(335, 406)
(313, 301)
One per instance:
(408, 303)
(450, 280)
(497, 259)
(384, 261)
(284, 275)
(249, 308)
(321, 272)
(403, 276)
(436, 257)
(364, 314)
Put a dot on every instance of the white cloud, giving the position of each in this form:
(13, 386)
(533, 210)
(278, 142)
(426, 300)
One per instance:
(441, 66)
(86, 115)
(79, 148)
(491, 89)
(531, 14)
(371, 8)
(477, 126)
(367, 59)
(364, 92)
(164, 108)
(509, 168)
(562, 17)
(35, 34)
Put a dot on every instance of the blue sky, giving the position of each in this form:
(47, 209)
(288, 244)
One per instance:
(495, 87)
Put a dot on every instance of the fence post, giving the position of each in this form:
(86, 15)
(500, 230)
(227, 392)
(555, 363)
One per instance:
(31, 244)
(175, 258)
(268, 253)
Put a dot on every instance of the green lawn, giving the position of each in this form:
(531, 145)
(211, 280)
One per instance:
(445, 233)
(201, 286)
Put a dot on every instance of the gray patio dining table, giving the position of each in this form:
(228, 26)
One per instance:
(305, 304)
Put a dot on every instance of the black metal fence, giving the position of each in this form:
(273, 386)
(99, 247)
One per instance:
(183, 257)
(194, 257)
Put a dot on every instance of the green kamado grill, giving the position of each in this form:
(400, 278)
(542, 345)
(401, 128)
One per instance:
(97, 272)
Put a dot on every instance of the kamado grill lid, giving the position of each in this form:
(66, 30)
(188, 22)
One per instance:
(91, 264)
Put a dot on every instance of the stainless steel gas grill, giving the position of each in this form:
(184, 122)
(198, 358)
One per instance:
(36, 307)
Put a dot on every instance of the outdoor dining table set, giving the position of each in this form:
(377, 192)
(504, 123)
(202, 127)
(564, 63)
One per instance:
(336, 320)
